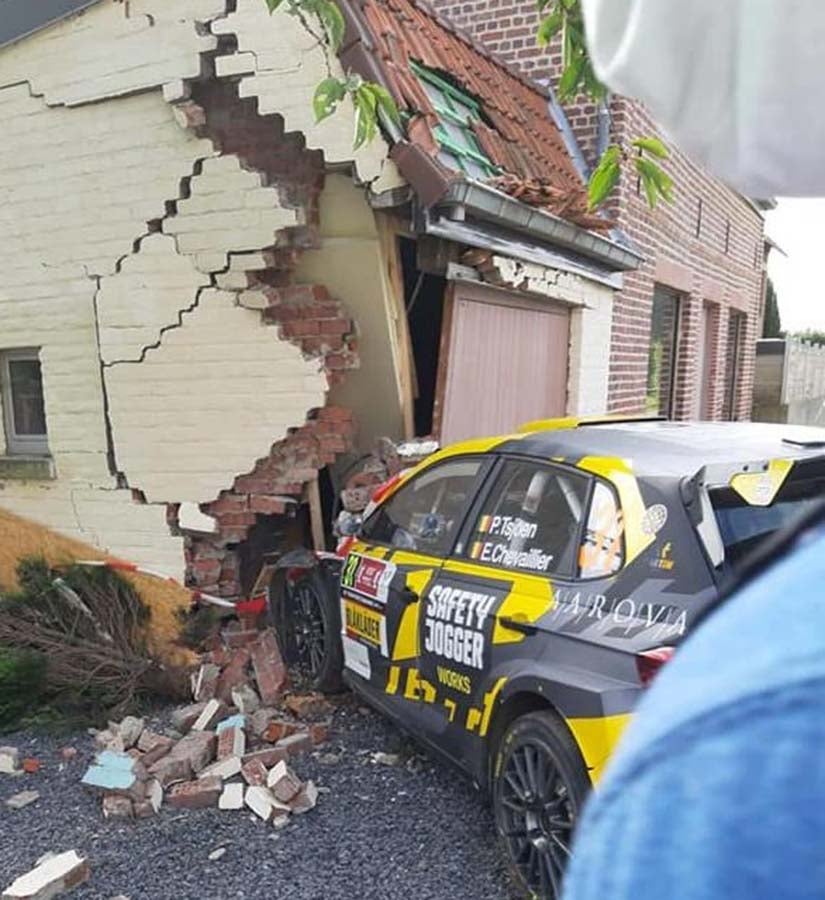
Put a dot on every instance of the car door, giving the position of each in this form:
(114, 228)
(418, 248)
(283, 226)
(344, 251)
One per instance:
(523, 535)
(399, 551)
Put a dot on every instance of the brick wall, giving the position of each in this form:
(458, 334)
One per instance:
(721, 265)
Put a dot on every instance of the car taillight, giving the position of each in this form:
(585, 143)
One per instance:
(649, 663)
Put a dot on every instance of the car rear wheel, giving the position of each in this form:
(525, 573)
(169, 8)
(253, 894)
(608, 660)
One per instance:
(539, 785)
(303, 605)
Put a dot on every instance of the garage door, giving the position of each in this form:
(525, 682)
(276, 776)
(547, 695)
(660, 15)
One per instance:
(507, 364)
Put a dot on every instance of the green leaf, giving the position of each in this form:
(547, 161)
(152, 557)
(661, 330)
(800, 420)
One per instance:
(329, 93)
(366, 117)
(653, 146)
(656, 182)
(570, 78)
(604, 177)
(549, 27)
(272, 5)
(385, 103)
(333, 22)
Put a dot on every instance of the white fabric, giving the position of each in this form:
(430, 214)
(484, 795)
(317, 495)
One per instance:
(738, 84)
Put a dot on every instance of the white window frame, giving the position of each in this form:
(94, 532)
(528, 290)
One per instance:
(18, 444)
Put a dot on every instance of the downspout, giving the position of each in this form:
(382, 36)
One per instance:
(603, 127)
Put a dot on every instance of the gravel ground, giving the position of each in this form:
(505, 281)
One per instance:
(417, 831)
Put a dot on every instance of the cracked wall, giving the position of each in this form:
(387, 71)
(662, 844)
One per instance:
(157, 277)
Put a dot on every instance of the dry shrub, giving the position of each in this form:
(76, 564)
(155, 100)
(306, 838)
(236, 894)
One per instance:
(91, 626)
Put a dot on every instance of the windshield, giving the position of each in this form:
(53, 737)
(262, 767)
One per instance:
(743, 527)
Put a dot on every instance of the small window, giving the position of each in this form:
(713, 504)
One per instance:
(24, 411)
(425, 514)
(530, 521)
(457, 111)
(661, 363)
(602, 548)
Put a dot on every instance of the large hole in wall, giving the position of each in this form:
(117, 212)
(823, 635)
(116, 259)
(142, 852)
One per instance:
(424, 300)
(270, 536)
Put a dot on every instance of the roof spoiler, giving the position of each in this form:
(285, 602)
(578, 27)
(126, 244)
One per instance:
(582, 421)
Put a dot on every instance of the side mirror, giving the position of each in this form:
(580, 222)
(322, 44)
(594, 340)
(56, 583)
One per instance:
(348, 524)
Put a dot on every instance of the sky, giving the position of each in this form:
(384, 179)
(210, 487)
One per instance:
(798, 226)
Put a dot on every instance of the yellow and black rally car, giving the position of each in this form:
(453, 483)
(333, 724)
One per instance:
(508, 600)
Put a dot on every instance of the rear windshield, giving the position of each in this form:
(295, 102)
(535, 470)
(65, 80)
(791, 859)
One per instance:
(744, 527)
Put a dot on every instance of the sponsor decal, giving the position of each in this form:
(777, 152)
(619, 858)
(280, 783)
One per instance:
(507, 527)
(365, 623)
(624, 613)
(454, 624)
(664, 560)
(533, 559)
(654, 519)
(367, 577)
(455, 680)
(356, 657)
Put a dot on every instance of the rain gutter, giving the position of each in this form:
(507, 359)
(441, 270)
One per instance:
(464, 199)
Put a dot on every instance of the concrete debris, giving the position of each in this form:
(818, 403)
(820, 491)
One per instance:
(260, 719)
(305, 799)
(129, 730)
(153, 747)
(254, 772)
(24, 798)
(205, 682)
(117, 773)
(223, 769)
(53, 876)
(232, 796)
(260, 801)
(117, 807)
(216, 854)
(9, 760)
(387, 759)
(246, 699)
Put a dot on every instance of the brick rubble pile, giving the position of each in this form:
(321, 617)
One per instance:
(231, 749)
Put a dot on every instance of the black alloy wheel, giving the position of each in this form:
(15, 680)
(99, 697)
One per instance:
(304, 609)
(539, 785)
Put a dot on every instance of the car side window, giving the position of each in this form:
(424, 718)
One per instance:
(531, 519)
(425, 515)
(602, 550)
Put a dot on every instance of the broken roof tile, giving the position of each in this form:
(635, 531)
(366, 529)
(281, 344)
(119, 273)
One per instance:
(516, 132)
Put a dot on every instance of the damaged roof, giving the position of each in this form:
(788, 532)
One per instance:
(19, 18)
(407, 46)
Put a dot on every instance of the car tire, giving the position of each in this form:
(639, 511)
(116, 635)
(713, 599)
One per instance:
(539, 783)
(305, 613)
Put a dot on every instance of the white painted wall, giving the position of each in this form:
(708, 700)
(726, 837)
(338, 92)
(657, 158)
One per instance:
(91, 154)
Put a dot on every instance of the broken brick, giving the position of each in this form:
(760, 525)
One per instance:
(205, 685)
(277, 729)
(262, 803)
(30, 765)
(213, 712)
(269, 757)
(308, 706)
(234, 675)
(254, 773)
(319, 732)
(116, 773)
(270, 671)
(154, 747)
(305, 799)
(231, 742)
(283, 782)
(296, 743)
(246, 699)
(223, 768)
(260, 719)
(52, 876)
(185, 717)
(197, 748)
(67, 754)
(198, 794)
(171, 769)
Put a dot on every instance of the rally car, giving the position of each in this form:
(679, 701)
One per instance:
(508, 600)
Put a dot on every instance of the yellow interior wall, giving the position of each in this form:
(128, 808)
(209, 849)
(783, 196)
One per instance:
(350, 264)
